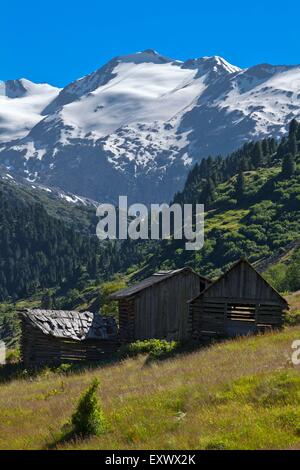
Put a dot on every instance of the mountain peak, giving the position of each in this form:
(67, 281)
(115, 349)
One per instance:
(220, 61)
(150, 51)
(22, 87)
(140, 121)
(213, 63)
(148, 55)
(13, 88)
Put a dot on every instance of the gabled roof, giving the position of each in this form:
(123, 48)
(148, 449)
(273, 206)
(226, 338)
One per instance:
(152, 280)
(70, 324)
(237, 263)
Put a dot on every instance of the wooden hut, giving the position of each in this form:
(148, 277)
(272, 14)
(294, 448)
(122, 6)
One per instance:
(157, 306)
(240, 302)
(55, 336)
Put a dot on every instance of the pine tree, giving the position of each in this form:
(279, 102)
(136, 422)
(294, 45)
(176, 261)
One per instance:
(288, 166)
(209, 191)
(203, 168)
(240, 186)
(47, 301)
(273, 146)
(88, 418)
(293, 144)
(265, 147)
(258, 156)
(244, 165)
(293, 127)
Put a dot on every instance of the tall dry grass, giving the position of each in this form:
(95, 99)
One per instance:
(202, 400)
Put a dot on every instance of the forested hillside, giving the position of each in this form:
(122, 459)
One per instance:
(37, 249)
(252, 202)
(45, 243)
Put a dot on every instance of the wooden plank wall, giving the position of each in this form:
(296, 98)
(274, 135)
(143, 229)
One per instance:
(240, 301)
(244, 283)
(161, 311)
(211, 317)
(126, 320)
(38, 349)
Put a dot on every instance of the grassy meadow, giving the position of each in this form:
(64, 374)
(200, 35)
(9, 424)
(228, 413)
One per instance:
(240, 394)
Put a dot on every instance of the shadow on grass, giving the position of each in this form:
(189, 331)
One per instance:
(66, 437)
(15, 371)
(183, 349)
(9, 372)
(62, 438)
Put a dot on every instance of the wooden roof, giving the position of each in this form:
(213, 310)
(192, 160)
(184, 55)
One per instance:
(160, 276)
(235, 265)
(78, 326)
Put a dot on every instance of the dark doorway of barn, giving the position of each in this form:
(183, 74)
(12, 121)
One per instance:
(240, 319)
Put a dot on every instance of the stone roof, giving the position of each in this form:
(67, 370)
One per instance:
(78, 326)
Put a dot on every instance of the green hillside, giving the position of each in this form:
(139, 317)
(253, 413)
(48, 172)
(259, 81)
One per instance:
(239, 394)
(252, 202)
(80, 216)
(48, 243)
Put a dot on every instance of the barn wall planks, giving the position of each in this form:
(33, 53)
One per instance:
(240, 302)
(38, 349)
(243, 283)
(161, 311)
(126, 320)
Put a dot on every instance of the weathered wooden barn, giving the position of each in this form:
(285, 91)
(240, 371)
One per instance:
(55, 336)
(240, 302)
(157, 306)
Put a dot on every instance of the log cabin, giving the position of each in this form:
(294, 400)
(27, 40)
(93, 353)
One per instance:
(157, 306)
(240, 302)
(56, 336)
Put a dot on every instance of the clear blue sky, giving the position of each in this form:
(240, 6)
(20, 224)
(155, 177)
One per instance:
(60, 40)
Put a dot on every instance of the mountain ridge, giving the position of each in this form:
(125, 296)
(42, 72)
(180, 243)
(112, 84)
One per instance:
(137, 125)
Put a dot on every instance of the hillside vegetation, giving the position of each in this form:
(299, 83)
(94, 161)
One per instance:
(47, 243)
(50, 258)
(240, 394)
(252, 202)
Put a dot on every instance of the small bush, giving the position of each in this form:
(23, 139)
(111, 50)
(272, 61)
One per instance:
(63, 368)
(155, 348)
(292, 318)
(88, 418)
(12, 356)
(217, 444)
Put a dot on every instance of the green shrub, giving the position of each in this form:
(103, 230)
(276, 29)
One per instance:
(276, 276)
(63, 368)
(155, 348)
(285, 277)
(217, 444)
(88, 418)
(292, 318)
(12, 356)
(108, 307)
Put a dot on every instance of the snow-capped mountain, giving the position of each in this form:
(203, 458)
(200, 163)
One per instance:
(136, 125)
(21, 104)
